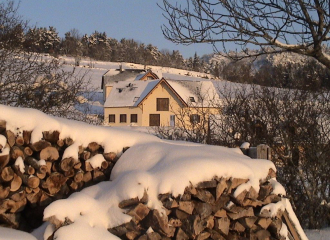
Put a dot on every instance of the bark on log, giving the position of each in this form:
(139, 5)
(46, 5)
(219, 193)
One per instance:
(11, 139)
(16, 152)
(27, 137)
(52, 137)
(4, 160)
(38, 146)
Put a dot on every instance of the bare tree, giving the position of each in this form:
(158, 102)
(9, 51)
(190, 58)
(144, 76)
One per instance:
(30, 79)
(295, 124)
(275, 26)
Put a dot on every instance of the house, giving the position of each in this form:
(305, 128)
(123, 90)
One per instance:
(140, 98)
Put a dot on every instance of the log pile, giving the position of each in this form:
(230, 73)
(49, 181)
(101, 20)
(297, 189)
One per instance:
(32, 175)
(209, 210)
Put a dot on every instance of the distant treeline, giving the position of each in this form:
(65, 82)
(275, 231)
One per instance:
(101, 47)
(295, 72)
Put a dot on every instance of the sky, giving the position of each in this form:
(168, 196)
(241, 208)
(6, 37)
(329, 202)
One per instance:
(140, 20)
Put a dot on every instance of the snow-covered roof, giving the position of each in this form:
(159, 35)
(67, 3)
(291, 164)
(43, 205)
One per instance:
(115, 75)
(129, 93)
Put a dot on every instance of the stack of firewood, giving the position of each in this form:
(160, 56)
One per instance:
(32, 175)
(206, 211)
(209, 210)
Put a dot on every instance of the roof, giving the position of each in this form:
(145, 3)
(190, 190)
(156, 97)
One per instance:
(131, 93)
(116, 75)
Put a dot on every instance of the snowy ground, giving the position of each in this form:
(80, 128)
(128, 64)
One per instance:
(323, 234)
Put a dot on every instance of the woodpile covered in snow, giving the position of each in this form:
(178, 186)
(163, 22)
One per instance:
(209, 210)
(32, 175)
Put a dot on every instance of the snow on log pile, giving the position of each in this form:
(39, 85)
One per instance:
(158, 189)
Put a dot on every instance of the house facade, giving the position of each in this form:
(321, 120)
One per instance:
(145, 100)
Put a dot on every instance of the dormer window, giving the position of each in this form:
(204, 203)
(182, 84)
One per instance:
(192, 99)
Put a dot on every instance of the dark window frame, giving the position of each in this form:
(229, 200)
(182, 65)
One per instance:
(134, 118)
(195, 118)
(123, 118)
(152, 122)
(112, 117)
(163, 104)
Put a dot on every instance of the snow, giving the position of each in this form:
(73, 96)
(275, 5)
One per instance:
(20, 163)
(3, 141)
(96, 160)
(245, 145)
(12, 234)
(150, 164)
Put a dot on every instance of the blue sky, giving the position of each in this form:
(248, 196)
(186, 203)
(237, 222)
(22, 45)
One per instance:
(137, 19)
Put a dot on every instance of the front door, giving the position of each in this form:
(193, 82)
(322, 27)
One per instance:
(154, 120)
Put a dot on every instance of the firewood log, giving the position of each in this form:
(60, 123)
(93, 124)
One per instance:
(44, 199)
(36, 165)
(68, 141)
(30, 181)
(79, 175)
(11, 139)
(49, 154)
(15, 183)
(7, 174)
(104, 165)
(29, 170)
(60, 143)
(41, 175)
(38, 146)
(33, 198)
(28, 151)
(4, 191)
(52, 137)
(93, 146)
(19, 195)
(18, 206)
(85, 155)
(16, 152)
(98, 176)
(70, 173)
(4, 160)
(54, 182)
(27, 137)
(87, 177)
(2, 126)
(19, 141)
(66, 164)
(10, 219)
(111, 156)
(86, 166)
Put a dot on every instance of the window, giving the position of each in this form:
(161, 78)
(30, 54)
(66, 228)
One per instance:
(112, 118)
(172, 120)
(133, 118)
(192, 99)
(122, 118)
(154, 120)
(195, 118)
(163, 104)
